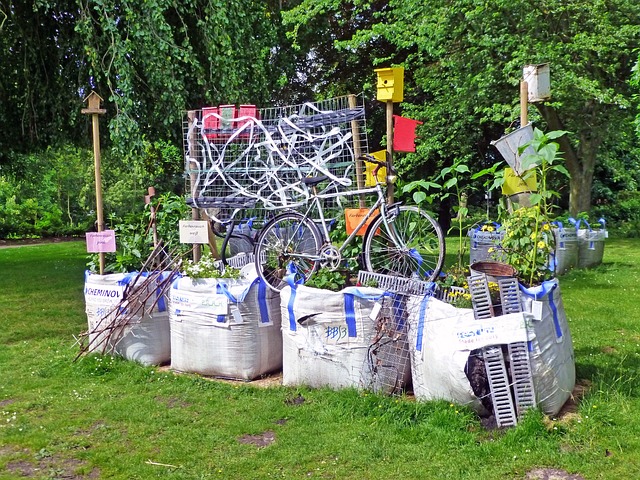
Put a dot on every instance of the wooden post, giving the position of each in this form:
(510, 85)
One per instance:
(390, 191)
(524, 104)
(357, 151)
(152, 210)
(93, 100)
(193, 175)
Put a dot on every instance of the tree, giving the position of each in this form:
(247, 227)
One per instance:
(463, 60)
(40, 74)
(151, 61)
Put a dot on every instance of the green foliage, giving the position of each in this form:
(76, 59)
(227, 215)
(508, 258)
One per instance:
(134, 235)
(327, 279)
(463, 63)
(352, 253)
(545, 161)
(41, 195)
(157, 59)
(528, 240)
(622, 214)
(527, 244)
(450, 182)
(206, 267)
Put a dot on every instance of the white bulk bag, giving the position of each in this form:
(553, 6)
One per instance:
(438, 332)
(329, 339)
(145, 336)
(550, 347)
(225, 328)
(565, 255)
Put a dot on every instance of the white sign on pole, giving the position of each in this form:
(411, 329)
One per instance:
(194, 231)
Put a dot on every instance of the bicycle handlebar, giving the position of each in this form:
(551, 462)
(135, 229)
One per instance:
(379, 164)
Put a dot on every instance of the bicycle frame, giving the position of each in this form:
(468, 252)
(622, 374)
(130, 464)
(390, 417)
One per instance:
(380, 203)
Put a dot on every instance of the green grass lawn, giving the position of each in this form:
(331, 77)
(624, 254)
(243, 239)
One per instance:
(102, 417)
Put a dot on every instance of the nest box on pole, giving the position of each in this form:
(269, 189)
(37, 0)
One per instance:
(390, 88)
(93, 108)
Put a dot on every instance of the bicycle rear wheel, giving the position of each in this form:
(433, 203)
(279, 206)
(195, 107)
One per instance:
(287, 245)
(413, 248)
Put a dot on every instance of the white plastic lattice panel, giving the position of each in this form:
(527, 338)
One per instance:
(480, 297)
(390, 283)
(241, 259)
(504, 410)
(510, 296)
(521, 376)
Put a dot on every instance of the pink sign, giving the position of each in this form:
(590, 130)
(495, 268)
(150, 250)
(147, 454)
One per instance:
(101, 242)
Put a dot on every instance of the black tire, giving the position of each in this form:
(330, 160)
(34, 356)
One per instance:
(421, 249)
(234, 243)
(287, 244)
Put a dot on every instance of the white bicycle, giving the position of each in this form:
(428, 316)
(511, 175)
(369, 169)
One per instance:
(401, 240)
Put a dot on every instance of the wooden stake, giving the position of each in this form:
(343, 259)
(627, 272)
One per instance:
(524, 104)
(357, 151)
(193, 176)
(390, 148)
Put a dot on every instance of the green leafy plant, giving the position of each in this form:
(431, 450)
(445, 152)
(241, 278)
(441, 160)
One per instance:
(446, 184)
(207, 267)
(527, 244)
(528, 240)
(546, 160)
(460, 299)
(351, 253)
(327, 279)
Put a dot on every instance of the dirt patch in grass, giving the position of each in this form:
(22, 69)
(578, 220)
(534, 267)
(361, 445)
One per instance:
(262, 440)
(7, 401)
(51, 466)
(571, 405)
(551, 474)
(173, 402)
(266, 381)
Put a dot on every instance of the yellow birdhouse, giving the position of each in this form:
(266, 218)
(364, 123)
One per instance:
(390, 84)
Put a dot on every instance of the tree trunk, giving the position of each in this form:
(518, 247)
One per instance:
(581, 165)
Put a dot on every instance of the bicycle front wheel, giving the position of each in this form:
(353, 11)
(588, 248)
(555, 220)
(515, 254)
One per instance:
(287, 245)
(411, 247)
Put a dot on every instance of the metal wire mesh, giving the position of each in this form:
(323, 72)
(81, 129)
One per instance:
(388, 358)
(388, 366)
(248, 158)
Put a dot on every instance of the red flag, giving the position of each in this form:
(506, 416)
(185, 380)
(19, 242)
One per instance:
(404, 134)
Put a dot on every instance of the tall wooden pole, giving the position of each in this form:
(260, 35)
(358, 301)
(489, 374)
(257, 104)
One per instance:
(390, 189)
(94, 110)
(357, 151)
(524, 104)
(193, 174)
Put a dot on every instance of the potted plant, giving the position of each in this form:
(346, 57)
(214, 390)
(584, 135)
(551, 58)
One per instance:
(225, 322)
(126, 306)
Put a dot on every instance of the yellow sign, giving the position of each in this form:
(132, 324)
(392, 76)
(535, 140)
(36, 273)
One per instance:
(390, 84)
(514, 184)
(380, 155)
